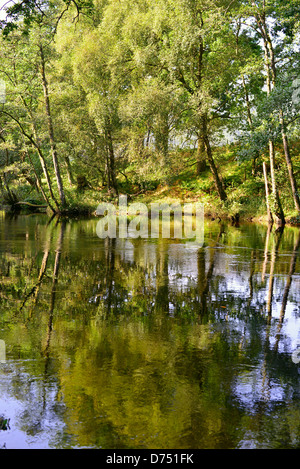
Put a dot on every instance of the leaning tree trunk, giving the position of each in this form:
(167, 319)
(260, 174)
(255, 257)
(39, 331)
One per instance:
(289, 164)
(276, 205)
(283, 131)
(51, 131)
(43, 162)
(39, 184)
(271, 63)
(39, 152)
(218, 183)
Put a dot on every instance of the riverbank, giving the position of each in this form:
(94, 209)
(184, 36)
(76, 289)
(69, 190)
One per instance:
(245, 191)
(246, 200)
(241, 211)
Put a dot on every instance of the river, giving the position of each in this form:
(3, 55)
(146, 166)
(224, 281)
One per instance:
(148, 343)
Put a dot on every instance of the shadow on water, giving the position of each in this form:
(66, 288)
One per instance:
(149, 343)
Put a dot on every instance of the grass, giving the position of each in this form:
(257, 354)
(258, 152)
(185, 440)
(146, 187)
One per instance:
(245, 193)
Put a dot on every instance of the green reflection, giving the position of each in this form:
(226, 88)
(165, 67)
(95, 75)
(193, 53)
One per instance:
(148, 343)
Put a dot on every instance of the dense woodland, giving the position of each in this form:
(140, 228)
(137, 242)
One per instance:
(189, 99)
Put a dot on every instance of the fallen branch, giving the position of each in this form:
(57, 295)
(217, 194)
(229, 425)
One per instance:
(31, 205)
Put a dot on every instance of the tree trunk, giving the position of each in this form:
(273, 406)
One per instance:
(201, 159)
(10, 196)
(40, 153)
(51, 131)
(283, 130)
(218, 183)
(276, 205)
(112, 183)
(39, 184)
(289, 164)
(270, 67)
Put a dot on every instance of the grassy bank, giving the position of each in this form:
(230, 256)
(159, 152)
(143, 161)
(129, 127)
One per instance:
(245, 191)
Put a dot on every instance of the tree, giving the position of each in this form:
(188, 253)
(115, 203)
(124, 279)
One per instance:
(50, 126)
(187, 43)
(273, 24)
(94, 72)
(27, 56)
(196, 49)
(270, 68)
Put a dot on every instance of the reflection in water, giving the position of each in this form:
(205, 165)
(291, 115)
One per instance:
(289, 277)
(54, 282)
(276, 244)
(148, 343)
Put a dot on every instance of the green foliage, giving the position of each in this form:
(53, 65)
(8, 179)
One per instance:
(134, 85)
(4, 423)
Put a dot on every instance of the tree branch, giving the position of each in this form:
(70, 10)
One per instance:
(29, 137)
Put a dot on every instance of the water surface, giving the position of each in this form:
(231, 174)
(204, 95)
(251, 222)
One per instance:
(148, 343)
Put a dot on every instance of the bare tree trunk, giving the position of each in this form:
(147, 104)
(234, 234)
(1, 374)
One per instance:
(283, 130)
(51, 131)
(218, 183)
(289, 164)
(46, 174)
(40, 153)
(43, 163)
(277, 207)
